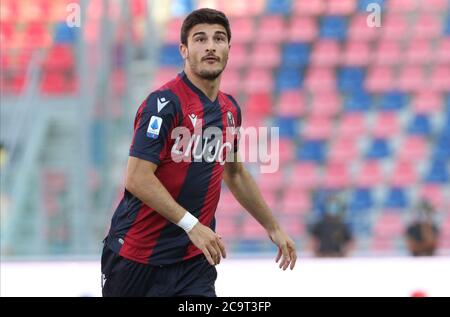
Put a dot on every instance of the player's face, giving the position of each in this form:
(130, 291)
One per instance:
(207, 50)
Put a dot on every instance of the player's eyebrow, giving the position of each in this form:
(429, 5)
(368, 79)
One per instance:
(204, 33)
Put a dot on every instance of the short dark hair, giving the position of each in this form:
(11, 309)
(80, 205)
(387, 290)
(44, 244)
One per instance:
(205, 15)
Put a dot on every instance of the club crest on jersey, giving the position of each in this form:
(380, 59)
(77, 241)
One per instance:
(230, 120)
(154, 127)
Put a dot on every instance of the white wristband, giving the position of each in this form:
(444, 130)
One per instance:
(187, 222)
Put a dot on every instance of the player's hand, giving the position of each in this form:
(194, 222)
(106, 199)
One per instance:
(286, 248)
(209, 242)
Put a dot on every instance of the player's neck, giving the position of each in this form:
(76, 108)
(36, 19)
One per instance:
(209, 87)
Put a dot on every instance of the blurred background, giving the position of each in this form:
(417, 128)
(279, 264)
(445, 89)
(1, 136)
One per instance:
(363, 112)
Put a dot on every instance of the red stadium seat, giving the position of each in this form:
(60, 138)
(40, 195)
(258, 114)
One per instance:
(228, 205)
(259, 104)
(305, 175)
(401, 5)
(411, 78)
(265, 55)
(435, 195)
(287, 151)
(227, 227)
(271, 181)
(172, 35)
(302, 29)
(238, 56)
(344, 150)
(379, 79)
(413, 148)
(389, 225)
(60, 57)
(388, 53)
(258, 80)
(231, 82)
(370, 174)
(311, 7)
(320, 79)
(164, 75)
(9, 11)
(356, 53)
(242, 30)
(419, 52)
(427, 26)
(340, 7)
(352, 125)
(336, 175)
(442, 55)
(325, 104)
(433, 6)
(386, 125)
(326, 53)
(7, 32)
(37, 35)
(403, 174)
(271, 29)
(252, 230)
(440, 78)
(291, 103)
(427, 102)
(359, 30)
(318, 128)
(395, 26)
(293, 225)
(295, 201)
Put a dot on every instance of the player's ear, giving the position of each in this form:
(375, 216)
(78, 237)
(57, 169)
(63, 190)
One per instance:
(184, 51)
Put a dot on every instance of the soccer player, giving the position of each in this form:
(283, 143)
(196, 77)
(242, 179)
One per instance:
(162, 240)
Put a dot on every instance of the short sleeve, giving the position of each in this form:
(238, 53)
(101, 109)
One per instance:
(154, 122)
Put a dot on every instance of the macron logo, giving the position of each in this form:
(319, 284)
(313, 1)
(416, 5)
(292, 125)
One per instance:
(162, 103)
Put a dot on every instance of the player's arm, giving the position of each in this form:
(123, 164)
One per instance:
(245, 190)
(142, 182)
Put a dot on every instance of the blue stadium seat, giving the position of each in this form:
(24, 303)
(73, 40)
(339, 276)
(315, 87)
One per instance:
(379, 149)
(181, 8)
(437, 172)
(288, 79)
(360, 224)
(312, 150)
(396, 198)
(351, 79)
(64, 33)
(447, 26)
(362, 4)
(442, 147)
(358, 101)
(361, 201)
(333, 27)
(279, 6)
(288, 126)
(170, 55)
(295, 55)
(393, 101)
(420, 125)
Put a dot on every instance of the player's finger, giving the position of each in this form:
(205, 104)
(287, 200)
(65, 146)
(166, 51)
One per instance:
(221, 246)
(286, 257)
(212, 250)
(208, 256)
(278, 255)
(293, 257)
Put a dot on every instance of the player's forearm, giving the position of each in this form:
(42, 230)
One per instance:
(248, 195)
(152, 192)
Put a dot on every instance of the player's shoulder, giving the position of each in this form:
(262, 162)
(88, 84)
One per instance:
(230, 99)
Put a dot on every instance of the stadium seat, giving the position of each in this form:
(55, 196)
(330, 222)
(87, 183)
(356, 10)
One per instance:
(278, 7)
(295, 202)
(312, 150)
(326, 53)
(427, 26)
(343, 150)
(435, 195)
(246, 28)
(265, 55)
(427, 102)
(379, 79)
(388, 52)
(325, 104)
(352, 124)
(302, 29)
(304, 175)
(238, 57)
(437, 172)
(393, 101)
(320, 79)
(369, 175)
(271, 29)
(287, 151)
(288, 126)
(411, 78)
(420, 125)
(395, 26)
(442, 50)
(440, 78)
(288, 79)
(359, 30)
(396, 198)
(386, 125)
(403, 174)
(333, 27)
(340, 7)
(258, 80)
(356, 53)
(309, 8)
(259, 104)
(318, 128)
(336, 175)
(351, 79)
(379, 149)
(401, 6)
(231, 82)
(291, 103)
(413, 148)
(295, 55)
(361, 200)
(419, 52)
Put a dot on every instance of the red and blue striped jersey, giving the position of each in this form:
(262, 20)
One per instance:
(181, 130)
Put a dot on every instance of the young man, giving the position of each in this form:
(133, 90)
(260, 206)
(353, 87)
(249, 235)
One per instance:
(162, 240)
